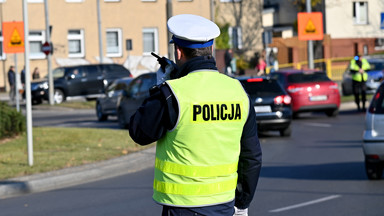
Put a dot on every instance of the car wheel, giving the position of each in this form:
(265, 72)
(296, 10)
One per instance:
(286, 132)
(58, 96)
(374, 170)
(99, 112)
(121, 119)
(332, 113)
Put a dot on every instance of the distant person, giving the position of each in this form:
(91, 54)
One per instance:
(261, 65)
(36, 73)
(228, 58)
(12, 83)
(22, 78)
(358, 68)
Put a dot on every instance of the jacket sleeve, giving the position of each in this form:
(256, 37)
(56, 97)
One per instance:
(153, 118)
(249, 162)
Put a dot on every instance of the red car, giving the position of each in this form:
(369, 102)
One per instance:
(310, 91)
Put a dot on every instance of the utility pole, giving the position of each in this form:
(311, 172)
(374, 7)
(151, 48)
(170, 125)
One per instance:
(28, 102)
(99, 27)
(310, 42)
(169, 35)
(51, 88)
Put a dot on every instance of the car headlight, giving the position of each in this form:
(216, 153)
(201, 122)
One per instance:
(44, 85)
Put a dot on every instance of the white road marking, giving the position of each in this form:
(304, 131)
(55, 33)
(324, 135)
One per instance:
(305, 204)
(318, 124)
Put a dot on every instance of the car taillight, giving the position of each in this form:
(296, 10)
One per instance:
(282, 99)
(293, 89)
(255, 80)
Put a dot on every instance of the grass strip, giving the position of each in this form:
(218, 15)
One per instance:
(58, 148)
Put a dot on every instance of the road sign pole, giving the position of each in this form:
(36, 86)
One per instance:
(49, 59)
(16, 84)
(28, 102)
(310, 42)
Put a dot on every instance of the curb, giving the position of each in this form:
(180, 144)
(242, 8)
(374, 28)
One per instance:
(78, 175)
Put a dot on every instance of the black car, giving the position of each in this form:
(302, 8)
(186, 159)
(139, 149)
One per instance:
(87, 81)
(133, 97)
(271, 102)
(107, 104)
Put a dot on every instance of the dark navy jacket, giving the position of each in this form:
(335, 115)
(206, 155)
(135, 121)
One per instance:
(159, 113)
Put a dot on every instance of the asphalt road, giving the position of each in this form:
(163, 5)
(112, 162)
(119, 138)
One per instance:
(319, 170)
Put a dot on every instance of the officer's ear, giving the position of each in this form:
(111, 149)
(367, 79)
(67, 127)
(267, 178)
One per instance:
(179, 53)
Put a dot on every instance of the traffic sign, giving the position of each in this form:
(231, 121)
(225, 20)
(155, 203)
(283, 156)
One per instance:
(382, 21)
(46, 48)
(310, 26)
(13, 36)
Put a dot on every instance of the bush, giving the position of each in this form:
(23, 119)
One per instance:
(12, 123)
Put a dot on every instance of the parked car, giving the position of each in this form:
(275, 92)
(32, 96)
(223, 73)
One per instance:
(373, 136)
(375, 76)
(87, 81)
(271, 102)
(310, 91)
(133, 97)
(107, 104)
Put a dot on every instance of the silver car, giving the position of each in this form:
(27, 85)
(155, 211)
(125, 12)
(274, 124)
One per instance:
(375, 76)
(373, 136)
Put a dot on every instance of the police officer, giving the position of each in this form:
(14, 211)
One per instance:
(208, 155)
(358, 68)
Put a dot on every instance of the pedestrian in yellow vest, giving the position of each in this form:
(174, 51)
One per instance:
(358, 68)
(208, 155)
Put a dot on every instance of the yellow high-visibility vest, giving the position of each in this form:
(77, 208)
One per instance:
(364, 65)
(196, 162)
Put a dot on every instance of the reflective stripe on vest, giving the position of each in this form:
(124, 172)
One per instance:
(195, 171)
(196, 162)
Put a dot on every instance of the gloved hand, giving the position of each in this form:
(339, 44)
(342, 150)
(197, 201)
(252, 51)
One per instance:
(166, 68)
(241, 212)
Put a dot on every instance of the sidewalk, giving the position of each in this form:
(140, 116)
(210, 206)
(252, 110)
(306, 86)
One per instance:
(87, 173)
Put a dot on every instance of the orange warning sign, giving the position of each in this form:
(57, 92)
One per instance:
(310, 26)
(13, 37)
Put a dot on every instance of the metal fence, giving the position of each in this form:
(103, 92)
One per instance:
(334, 67)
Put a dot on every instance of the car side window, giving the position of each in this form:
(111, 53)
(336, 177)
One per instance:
(146, 85)
(92, 71)
(76, 72)
(377, 105)
(135, 86)
(58, 72)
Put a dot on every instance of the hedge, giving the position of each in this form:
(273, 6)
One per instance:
(12, 123)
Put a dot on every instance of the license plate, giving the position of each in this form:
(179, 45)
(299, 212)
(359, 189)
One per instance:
(318, 98)
(263, 109)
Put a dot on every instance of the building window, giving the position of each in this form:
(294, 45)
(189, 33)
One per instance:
(150, 41)
(235, 37)
(75, 43)
(111, 0)
(36, 39)
(2, 1)
(114, 44)
(360, 12)
(35, 1)
(148, 0)
(74, 0)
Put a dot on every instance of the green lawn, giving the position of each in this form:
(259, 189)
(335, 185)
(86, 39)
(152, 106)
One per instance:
(57, 148)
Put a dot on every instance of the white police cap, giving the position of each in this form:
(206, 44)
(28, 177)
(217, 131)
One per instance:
(192, 31)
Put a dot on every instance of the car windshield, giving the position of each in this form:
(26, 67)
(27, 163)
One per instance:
(307, 77)
(377, 65)
(265, 88)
